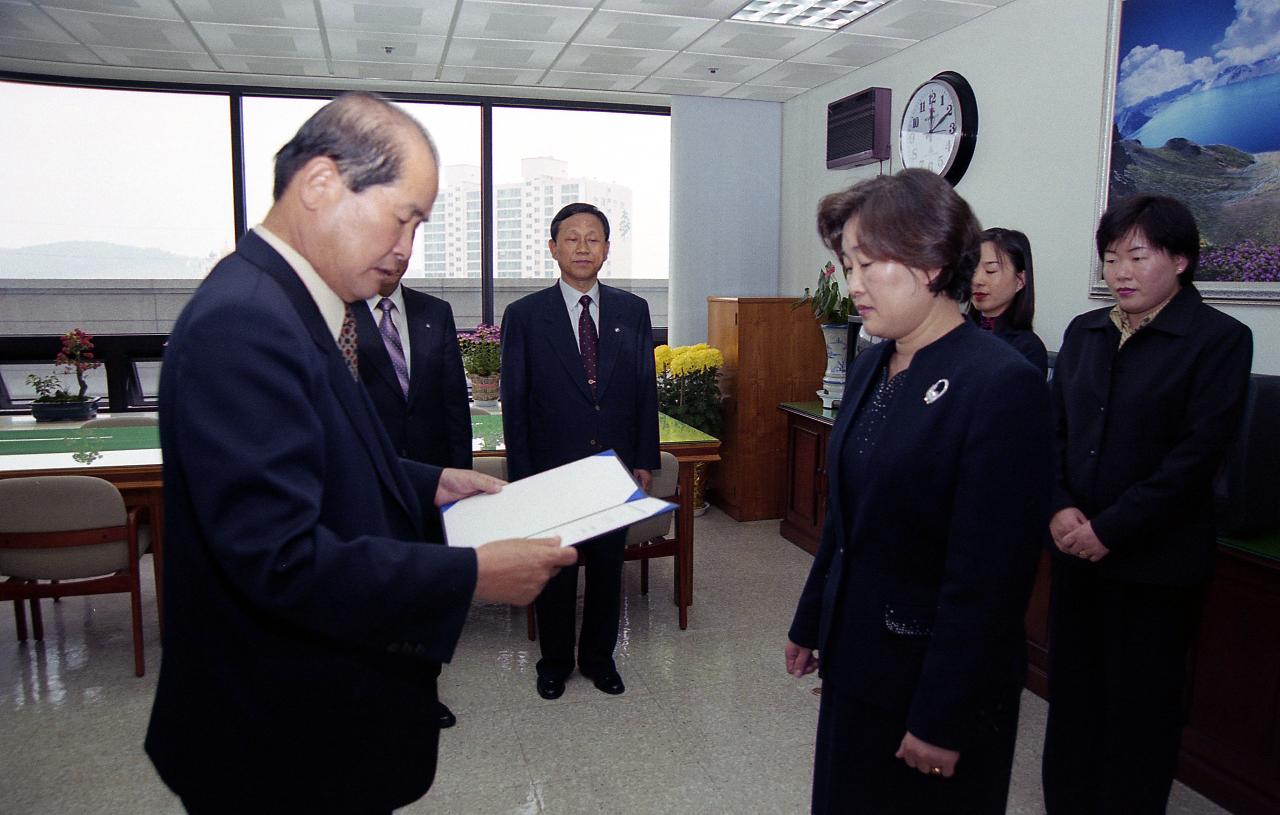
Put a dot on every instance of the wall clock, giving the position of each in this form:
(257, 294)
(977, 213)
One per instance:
(940, 126)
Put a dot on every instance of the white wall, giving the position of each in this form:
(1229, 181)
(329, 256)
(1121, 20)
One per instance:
(1037, 69)
(725, 176)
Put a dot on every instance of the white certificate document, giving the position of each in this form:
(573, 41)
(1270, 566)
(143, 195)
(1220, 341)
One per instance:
(577, 501)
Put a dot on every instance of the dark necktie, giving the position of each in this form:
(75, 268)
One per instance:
(588, 341)
(395, 348)
(347, 343)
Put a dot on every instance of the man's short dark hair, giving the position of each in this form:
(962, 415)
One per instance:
(1165, 222)
(913, 217)
(361, 132)
(1014, 245)
(570, 210)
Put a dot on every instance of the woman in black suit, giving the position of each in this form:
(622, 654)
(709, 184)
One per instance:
(939, 475)
(1147, 395)
(1004, 293)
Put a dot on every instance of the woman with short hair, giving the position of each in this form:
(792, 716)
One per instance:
(1147, 395)
(939, 476)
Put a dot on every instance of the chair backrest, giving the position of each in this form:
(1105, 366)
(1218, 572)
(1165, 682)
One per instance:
(665, 482)
(54, 504)
(495, 466)
(123, 420)
(479, 411)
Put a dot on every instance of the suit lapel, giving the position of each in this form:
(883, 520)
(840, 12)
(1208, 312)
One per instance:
(421, 341)
(560, 334)
(349, 393)
(611, 326)
(373, 352)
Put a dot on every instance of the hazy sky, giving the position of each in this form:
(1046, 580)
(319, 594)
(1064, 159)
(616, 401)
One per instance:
(153, 169)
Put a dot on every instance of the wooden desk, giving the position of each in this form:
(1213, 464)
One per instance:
(689, 445)
(808, 433)
(129, 457)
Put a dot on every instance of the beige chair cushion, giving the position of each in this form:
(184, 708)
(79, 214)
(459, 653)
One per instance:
(62, 503)
(665, 481)
(495, 466)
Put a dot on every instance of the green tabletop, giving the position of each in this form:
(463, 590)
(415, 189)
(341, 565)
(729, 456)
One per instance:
(55, 439)
(486, 433)
(1265, 546)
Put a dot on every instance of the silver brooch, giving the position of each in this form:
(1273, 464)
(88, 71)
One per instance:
(935, 391)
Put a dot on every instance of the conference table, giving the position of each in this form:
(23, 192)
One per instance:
(129, 457)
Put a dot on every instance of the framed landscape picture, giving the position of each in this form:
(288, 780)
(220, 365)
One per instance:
(1193, 111)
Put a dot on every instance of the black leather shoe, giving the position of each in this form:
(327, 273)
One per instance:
(608, 682)
(444, 716)
(549, 687)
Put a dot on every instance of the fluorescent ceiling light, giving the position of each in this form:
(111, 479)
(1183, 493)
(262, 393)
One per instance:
(828, 14)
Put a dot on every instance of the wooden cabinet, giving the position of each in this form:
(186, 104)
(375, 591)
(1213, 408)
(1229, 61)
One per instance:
(772, 353)
(808, 431)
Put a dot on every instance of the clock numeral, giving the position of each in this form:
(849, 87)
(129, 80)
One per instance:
(952, 129)
(933, 98)
(915, 121)
(922, 106)
(949, 109)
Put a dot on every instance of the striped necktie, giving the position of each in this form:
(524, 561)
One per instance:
(395, 348)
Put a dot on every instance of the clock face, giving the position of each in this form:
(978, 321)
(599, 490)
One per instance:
(938, 127)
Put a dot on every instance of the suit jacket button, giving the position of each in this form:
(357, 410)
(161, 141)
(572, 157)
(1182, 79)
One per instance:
(597, 408)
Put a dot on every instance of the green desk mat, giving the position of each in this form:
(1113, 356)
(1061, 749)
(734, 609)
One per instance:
(670, 431)
(1266, 545)
(54, 439)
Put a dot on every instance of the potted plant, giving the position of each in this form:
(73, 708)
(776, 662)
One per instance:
(689, 392)
(53, 402)
(482, 360)
(831, 308)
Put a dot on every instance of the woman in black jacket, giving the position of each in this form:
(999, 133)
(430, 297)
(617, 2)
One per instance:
(939, 478)
(1004, 293)
(1147, 395)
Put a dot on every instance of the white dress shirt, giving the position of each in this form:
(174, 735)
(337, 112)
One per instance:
(571, 298)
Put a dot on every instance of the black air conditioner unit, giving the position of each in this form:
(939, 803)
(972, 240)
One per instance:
(858, 129)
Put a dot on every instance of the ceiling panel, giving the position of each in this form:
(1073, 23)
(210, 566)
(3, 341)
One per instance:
(764, 93)
(642, 30)
(371, 47)
(164, 60)
(710, 9)
(297, 13)
(510, 21)
(262, 41)
(602, 59)
(757, 40)
(417, 17)
(155, 9)
(272, 66)
(92, 29)
(852, 50)
(490, 53)
(594, 82)
(683, 87)
(46, 51)
(801, 75)
(490, 76)
(918, 19)
(30, 23)
(400, 72)
(727, 69)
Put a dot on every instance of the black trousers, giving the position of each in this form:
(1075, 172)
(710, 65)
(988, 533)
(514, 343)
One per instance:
(557, 608)
(855, 770)
(1117, 672)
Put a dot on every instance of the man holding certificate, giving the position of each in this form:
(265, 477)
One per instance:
(578, 379)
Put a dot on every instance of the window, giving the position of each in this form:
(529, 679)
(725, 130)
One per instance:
(620, 162)
(113, 184)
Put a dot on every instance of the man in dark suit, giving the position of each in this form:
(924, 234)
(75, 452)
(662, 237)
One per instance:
(304, 616)
(570, 389)
(411, 366)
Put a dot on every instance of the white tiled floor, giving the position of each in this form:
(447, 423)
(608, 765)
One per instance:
(710, 722)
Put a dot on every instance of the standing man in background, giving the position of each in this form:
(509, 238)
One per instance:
(305, 619)
(577, 379)
(412, 369)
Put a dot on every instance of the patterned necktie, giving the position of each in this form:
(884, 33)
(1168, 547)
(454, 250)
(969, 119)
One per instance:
(347, 343)
(391, 339)
(588, 341)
